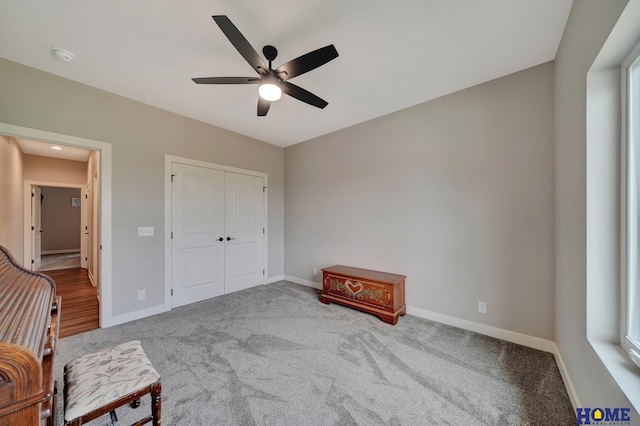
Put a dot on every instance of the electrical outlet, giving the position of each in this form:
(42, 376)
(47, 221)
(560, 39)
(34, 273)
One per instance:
(482, 307)
(315, 271)
(145, 231)
(141, 295)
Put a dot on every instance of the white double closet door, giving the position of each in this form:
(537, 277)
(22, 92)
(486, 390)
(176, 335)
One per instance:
(217, 221)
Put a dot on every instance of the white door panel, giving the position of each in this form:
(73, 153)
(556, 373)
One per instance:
(242, 252)
(197, 212)
(244, 205)
(84, 227)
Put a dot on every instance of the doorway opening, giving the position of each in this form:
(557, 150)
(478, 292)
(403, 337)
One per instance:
(99, 252)
(61, 218)
(58, 225)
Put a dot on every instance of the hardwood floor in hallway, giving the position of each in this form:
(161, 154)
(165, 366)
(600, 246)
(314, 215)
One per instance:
(80, 309)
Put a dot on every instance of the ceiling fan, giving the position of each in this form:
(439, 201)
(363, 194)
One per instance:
(272, 82)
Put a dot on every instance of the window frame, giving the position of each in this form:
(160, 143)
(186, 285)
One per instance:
(630, 205)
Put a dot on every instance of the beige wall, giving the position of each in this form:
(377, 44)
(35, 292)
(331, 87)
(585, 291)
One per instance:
(589, 25)
(11, 196)
(140, 136)
(456, 193)
(47, 169)
(60, 219)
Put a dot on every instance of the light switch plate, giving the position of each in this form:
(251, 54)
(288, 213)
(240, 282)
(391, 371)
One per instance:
(145, 231)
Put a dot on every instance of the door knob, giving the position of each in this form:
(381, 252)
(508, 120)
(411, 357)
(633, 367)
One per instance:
(229, 238)
(220, 239)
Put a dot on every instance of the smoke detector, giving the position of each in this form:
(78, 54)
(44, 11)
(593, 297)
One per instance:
(63, 54)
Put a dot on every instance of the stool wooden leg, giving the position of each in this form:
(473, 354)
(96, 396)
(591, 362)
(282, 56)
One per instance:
(156, 402)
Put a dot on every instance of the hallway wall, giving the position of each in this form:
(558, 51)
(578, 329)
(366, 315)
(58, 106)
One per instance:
(11, 188)
(60, 220)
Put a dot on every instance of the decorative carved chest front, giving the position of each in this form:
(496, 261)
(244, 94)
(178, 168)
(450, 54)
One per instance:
(378, 293)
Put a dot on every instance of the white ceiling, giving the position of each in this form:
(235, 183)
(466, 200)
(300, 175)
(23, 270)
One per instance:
(392, 54)
(44, 149)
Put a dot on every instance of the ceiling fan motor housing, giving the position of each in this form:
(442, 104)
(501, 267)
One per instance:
(270, 53)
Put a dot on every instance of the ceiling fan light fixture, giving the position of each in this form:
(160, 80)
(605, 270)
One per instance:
(270, 91)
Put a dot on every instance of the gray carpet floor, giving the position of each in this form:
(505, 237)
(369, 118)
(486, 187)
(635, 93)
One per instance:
(51, 262)
(275, 355)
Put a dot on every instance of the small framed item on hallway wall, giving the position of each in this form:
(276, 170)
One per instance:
(75, 202)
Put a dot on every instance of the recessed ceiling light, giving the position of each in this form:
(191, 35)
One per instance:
(63, 54)
(57, 148)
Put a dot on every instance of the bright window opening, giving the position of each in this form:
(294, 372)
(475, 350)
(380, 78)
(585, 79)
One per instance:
(631, 229)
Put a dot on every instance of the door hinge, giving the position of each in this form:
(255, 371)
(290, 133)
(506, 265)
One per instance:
(86, 196)
(86, 258)
(264, 189)
(33, 229)
(33, 261)
(263, 230)
(100, 246)
(33, 194)
(172, 292)
(172, 176)
(172, 235)
(263, 272)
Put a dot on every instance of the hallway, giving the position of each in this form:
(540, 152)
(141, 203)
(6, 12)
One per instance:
(80, 308)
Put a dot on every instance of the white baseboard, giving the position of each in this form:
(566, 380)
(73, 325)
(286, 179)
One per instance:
(301, 281)
(566, 378)
(62, 251)
(274, 279)
(487, 330)
(90, 275)
(132, 316)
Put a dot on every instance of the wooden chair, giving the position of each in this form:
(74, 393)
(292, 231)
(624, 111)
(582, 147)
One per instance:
(96, 384)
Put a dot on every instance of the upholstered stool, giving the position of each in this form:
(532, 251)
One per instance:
(98, 383)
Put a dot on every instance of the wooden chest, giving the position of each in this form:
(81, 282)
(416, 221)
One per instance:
(378, 293)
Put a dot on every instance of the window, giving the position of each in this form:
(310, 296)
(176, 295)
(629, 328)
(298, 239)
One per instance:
(630, 338)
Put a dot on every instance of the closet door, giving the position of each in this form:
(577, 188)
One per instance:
(198, 229)
(217, 224)
(244, 231)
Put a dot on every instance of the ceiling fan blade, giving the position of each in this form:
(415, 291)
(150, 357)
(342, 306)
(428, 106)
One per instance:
(302, 95)
(308, 62)
(263, 107)
(240, 43)
(226, 80)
